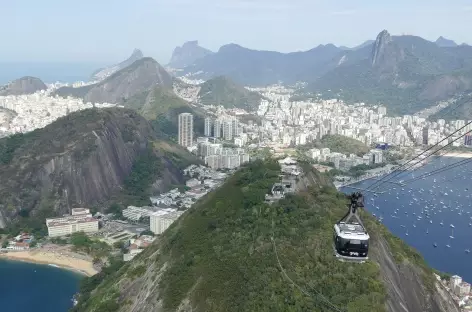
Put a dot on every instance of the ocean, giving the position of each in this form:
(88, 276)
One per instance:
(443, 198)
(48, 72)
(27, 287)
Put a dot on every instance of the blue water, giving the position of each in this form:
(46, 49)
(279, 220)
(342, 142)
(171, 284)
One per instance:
(26, 287)
(457, 183)
(48, 72)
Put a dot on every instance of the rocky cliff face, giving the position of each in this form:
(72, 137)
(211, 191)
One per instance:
(24, 85)
(187, 54)
(104, 73)
(79, 160)
(132, 80)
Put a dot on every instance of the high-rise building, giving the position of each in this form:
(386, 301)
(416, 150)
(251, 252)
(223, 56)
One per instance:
(228, 130)
(186, 129)
(425, 136)
(382, 110)
(217, 128)
(208, 124)
(468, 139)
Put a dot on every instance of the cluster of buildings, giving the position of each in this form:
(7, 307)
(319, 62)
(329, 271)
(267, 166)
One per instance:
(217, 156)
(167, 207)
(346, 162)
(136, 245)
(38, 110)
(459, 290)
(209, 148)
(80, 220)
(287, 123)
(20, 242)
(287, 184)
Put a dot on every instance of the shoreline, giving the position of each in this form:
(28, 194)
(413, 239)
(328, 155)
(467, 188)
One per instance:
(458, 154)
(80, 266)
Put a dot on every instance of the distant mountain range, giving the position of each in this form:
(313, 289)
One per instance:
(104, 73)
(406, 73)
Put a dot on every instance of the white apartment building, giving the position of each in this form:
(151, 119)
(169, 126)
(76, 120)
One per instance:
(66, 226)
(455, 280)
(208, 124)
(186, 129)
(135, 213)
(159, 221)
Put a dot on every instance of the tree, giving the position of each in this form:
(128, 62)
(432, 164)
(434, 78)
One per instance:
(5, 244)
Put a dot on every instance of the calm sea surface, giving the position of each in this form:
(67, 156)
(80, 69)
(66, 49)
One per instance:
(443, 198)
(48, 72)
(26, 287)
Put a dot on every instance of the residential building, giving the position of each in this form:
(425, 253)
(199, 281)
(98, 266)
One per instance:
(185, 129)
(135, 213)
(454, 281)
(68, 225)
(161, 221)
(208, 126)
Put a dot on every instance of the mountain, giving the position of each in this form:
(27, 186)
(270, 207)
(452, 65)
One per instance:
(223, 91)
(253, 67)
(140, 76)
(445, 43)
(187, 54)
(406, 73)
(362, 45)
(82, 160)
(233, 252)
(366, 43)
(24, 85)
(104, 73)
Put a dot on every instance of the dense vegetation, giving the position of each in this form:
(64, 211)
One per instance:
(339, 144)
(223, 91)
(220, 256)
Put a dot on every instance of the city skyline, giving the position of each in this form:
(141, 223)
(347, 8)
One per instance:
(73, 33)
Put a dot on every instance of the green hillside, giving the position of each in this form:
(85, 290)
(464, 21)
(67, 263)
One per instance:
(223, 91)
(339, 144)
(220, 256)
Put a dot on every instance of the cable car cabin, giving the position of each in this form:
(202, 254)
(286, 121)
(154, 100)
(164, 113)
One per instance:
(351, 242)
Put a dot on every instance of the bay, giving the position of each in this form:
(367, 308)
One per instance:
(27, 287)
(442, 198)
(48, 72)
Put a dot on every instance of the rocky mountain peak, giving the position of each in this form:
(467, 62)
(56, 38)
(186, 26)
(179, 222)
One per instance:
(380, 45)
(187, 54)
(137, 54)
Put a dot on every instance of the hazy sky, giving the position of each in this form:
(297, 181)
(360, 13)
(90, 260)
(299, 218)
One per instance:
(108, 30)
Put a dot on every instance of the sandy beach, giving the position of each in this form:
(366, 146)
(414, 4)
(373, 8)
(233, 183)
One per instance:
(45, 257)
(458, 154)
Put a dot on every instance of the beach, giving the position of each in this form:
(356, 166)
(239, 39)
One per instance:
(458, 154)
(46, 257)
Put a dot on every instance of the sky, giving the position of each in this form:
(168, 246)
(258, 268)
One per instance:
(106, 31)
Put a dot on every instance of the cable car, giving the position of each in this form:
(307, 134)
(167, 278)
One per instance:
(351, 240)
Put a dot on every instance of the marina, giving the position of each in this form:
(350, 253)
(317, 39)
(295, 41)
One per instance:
(432, 214)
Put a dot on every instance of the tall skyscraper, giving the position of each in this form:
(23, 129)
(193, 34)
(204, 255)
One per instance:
(228, 130)
(207, 130)
(186, 129)
(217, 129)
